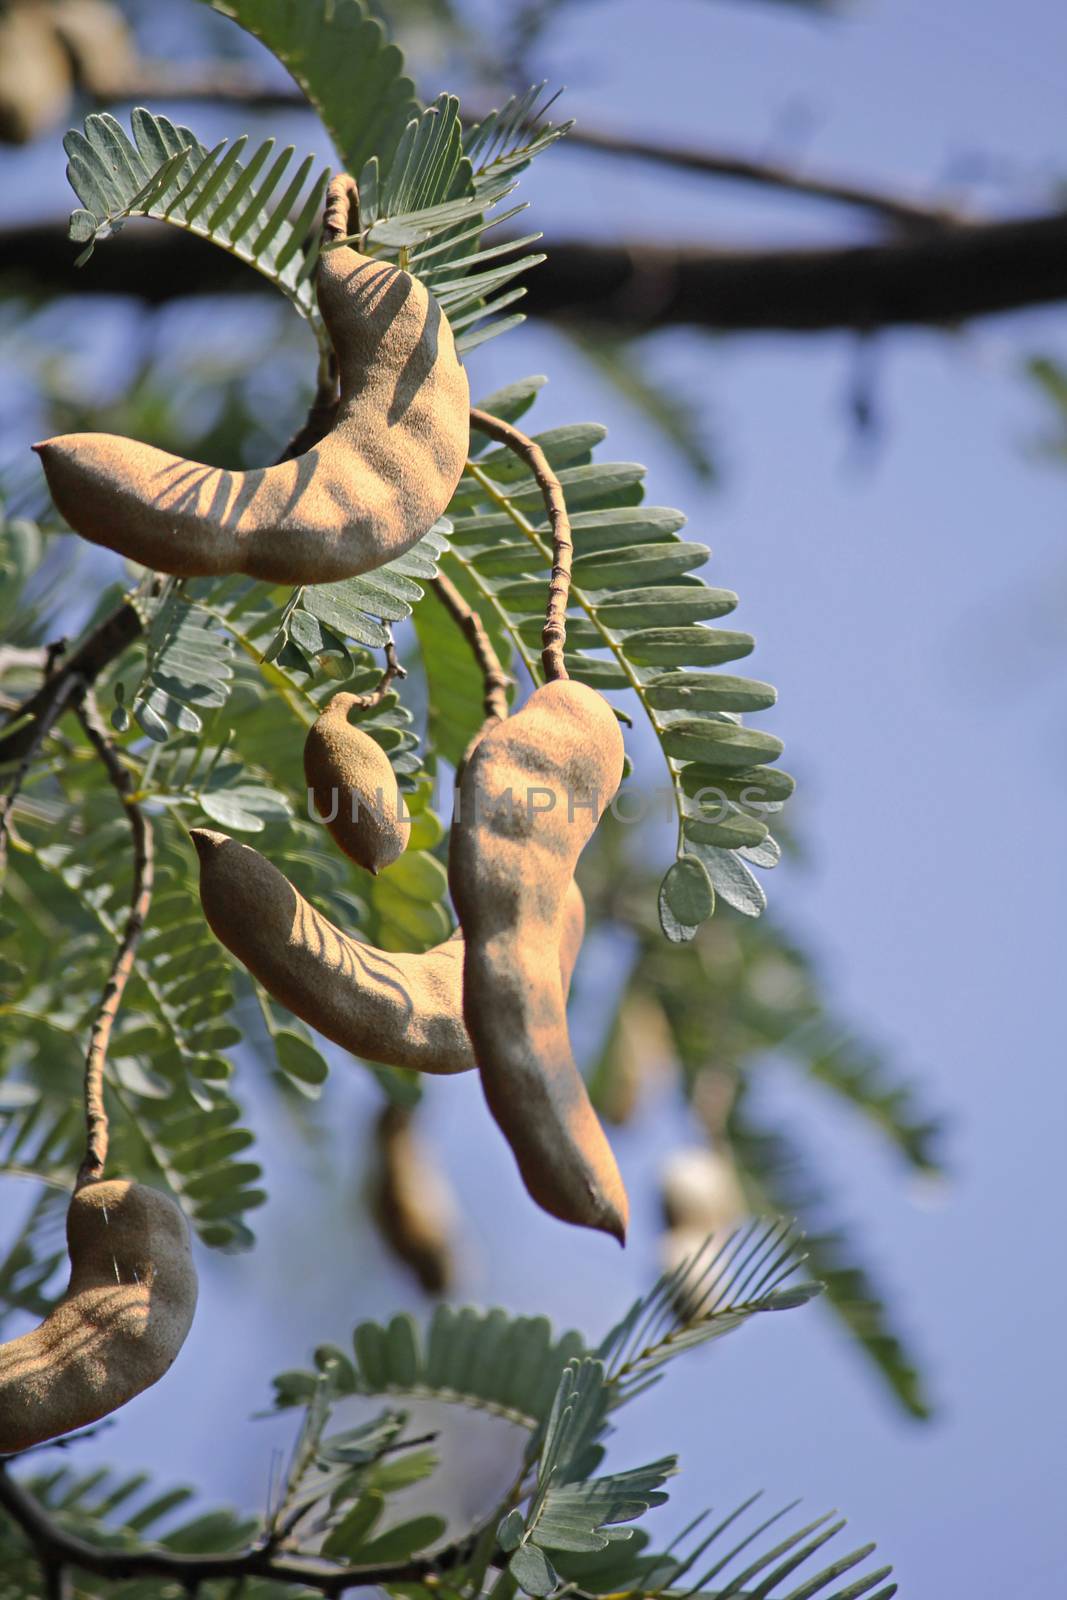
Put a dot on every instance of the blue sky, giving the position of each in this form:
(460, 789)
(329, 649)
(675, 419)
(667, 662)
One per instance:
(907, 600)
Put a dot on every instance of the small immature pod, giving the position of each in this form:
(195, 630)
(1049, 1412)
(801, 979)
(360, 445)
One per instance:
(531, 795)
(360, 497)
(118, 1328)
(402, 1009)
(354, 788)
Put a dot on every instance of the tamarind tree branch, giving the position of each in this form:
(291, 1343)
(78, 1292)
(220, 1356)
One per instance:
(922, 278)
(96, 1123)
(215, 81)
(55, 1548)
(554, 634)
(105, 644)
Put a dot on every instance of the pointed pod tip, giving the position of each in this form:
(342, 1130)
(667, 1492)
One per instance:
(616, 1222)
(206, 840)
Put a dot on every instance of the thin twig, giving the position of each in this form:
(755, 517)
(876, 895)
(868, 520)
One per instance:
(495, 680)
(902, 210)
(554, 635)
(96, 1124)
(393, 669)
(212, 81)
(54, 1545)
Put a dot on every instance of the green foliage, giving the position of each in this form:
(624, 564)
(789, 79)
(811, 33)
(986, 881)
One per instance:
(247, 208)
(339, 56)
(777, 1173)
(619, 362)
(510, 1366)
(559, 1518)
(210, 707)
(718, 1012)
(636, 622)
(425, 203)
(173, 1115)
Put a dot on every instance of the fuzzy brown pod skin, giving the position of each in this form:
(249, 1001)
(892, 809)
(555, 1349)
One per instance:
(413, 1204)
(362, 496)
(403, 1010)
(354, 789)
(121, 1323)
(509, 870)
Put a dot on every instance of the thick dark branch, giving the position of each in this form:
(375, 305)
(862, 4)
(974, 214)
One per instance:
(57, 1548)
(96, 1124)
(947, 276)
(554, 634)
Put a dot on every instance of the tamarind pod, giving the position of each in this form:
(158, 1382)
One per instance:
(529, 799)
(361, 496)
(351, 780)
(35, 74)
(118, 1328)
(413, 1205)
(404, 1010)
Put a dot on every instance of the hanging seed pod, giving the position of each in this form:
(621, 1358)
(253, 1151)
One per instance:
(119, 1326)
(530, 797)
(353, 787)
(397, 1008)
(363, 495)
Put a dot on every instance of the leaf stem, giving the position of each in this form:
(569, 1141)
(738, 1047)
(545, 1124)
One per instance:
(495, 680)
(96, 1124)
(554, 636)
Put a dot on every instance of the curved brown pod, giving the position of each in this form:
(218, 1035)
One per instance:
(531, 795)
(122, 1321)
(373, 486)
(404, 1010)
(353, 787)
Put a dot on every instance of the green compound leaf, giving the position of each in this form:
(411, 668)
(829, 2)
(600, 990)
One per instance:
(639, 621)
